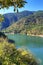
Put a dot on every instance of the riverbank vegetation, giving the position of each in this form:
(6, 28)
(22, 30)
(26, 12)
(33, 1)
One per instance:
(9, 55)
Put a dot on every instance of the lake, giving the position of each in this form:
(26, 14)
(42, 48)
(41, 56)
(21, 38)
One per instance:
(32, 43)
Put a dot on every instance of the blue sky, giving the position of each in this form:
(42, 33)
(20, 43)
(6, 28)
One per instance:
(32, 5)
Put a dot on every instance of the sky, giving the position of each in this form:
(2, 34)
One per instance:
(32, 5)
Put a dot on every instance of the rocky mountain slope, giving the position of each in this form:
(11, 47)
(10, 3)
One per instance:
(32, 24)
(11, 18)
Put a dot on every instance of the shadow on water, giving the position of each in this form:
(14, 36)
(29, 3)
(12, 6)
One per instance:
(30, 41)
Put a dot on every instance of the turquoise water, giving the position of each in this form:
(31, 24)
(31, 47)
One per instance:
(34, 44)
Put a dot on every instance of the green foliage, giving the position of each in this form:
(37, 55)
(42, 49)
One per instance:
(9, 55)
(16, 3)
(1, 18)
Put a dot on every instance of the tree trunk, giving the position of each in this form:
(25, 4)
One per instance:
(17, 10)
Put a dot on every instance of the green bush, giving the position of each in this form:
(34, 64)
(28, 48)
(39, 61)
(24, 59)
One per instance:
(9, 55)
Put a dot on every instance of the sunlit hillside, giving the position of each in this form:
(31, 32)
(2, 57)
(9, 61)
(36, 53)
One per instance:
(32, 24)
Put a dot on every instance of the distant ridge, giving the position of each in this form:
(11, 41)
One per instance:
(31, 24)
(10, 18)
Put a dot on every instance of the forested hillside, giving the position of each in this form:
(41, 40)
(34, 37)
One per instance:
(32, 24)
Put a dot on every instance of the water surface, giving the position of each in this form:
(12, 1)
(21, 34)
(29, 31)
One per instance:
(33, 43)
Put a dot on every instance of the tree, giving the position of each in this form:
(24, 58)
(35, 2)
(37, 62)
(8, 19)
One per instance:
(16, 3)
(9, 55)
(1, 18)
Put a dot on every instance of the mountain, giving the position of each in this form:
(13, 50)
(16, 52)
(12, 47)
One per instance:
(10, 18)
(32, 24)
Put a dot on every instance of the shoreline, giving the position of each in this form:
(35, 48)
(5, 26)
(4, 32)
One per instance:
(28, 34)
(35, 35)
